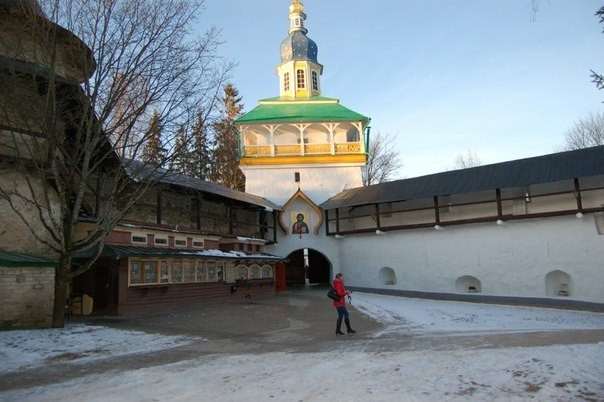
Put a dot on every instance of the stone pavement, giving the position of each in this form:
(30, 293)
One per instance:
(299, 320)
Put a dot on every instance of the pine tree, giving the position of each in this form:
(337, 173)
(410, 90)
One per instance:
(181, 151)
(154, 152)
(201, 149)
(225, 167)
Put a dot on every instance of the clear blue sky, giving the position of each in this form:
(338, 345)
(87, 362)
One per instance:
(441, 76)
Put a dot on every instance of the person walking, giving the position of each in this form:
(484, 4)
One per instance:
(338, 284)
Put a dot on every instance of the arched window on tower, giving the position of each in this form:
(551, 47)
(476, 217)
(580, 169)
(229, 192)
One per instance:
(300, 79)
(315, 81)
(286, 82)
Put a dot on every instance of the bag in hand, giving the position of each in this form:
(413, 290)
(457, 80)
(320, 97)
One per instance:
(332, 294)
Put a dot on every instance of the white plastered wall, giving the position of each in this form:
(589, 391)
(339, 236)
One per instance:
(318, 183)
(509, 260)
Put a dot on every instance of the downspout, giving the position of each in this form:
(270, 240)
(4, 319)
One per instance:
(239, 146)
(367, 135)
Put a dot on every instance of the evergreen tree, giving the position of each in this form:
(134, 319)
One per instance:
(225, 167)
(181, 151)
(154, 152)
(200, 162)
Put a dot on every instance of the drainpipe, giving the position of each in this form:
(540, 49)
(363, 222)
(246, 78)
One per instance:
(367, 134)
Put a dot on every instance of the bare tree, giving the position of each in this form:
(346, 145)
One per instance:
(598, 79)
(382, 162)
(587, 132)
(86, 77)
(467, 160)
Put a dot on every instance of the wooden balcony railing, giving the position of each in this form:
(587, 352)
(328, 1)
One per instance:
(255, 151)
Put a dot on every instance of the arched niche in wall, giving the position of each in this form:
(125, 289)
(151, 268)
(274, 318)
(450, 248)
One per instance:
(387, 276)
(468, 284)
(557, 283)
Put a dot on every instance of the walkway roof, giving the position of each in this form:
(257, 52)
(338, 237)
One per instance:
(517, 173)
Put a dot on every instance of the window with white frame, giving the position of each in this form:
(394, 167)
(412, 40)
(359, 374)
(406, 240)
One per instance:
(315, 81)
(201, 272)
(161, 240)
(254, 271)
(266, 272)
(176, 272)
(241, 272)
(229, 274)
(211, 271)
(180, 242)
(286, 82)
(139, 238)
(164, 272)
(300, 79)
(170, 271)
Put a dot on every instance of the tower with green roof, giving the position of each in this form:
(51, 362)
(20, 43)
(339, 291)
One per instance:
(301, 140)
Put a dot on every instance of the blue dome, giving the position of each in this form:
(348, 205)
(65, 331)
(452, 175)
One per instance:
(297, 46)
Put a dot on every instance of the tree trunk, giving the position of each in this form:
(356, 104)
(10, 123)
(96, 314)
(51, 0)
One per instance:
(61, 286)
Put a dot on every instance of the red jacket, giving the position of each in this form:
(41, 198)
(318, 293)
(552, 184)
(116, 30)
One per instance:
(341, 291)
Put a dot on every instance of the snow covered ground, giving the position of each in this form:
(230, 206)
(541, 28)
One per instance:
(566, 372)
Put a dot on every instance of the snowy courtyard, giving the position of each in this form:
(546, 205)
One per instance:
(350, 371)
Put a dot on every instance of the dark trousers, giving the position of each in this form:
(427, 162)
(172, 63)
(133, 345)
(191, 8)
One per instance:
(342, 313)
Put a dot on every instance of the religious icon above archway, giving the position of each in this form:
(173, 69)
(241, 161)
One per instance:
(300, 216)
(299, 227)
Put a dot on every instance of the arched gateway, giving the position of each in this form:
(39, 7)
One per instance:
(319, 267)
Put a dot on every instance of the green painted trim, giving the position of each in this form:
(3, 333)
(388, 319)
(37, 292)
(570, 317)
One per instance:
(16, 260)
(317, 109)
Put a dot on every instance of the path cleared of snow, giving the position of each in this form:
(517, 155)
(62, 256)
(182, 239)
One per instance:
(549, 373)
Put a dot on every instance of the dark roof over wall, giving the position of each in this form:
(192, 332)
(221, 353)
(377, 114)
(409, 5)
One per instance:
(140, 171)
(11, 259)
(522, 172)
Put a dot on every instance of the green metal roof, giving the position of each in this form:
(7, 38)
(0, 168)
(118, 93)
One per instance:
(10, 259)
(316, 108)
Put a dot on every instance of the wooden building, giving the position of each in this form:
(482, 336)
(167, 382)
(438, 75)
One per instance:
(189, 241)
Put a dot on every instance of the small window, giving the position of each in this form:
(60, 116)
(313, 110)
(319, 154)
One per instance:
(220, 271)
(150, 272)
(315, 81)
(241, 247)
(198, 243)
(266, 272)
(229, 274)
(180, 242)
(136, 273)
(139, 238)
(257, 248)
(188, 272)
(161, 241)
(176, 272)
(286, 82)
(300, 79)
(211, 271)
(254, 271)
(164, 272)
(242, 272)
(201, 272)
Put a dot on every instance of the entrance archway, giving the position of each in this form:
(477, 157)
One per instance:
(319, 267)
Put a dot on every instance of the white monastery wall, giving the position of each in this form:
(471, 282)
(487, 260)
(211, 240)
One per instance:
(318, 183)
(328, 246)
(513, 259)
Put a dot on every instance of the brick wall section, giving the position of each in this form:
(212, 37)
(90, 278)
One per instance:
(27, 297)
